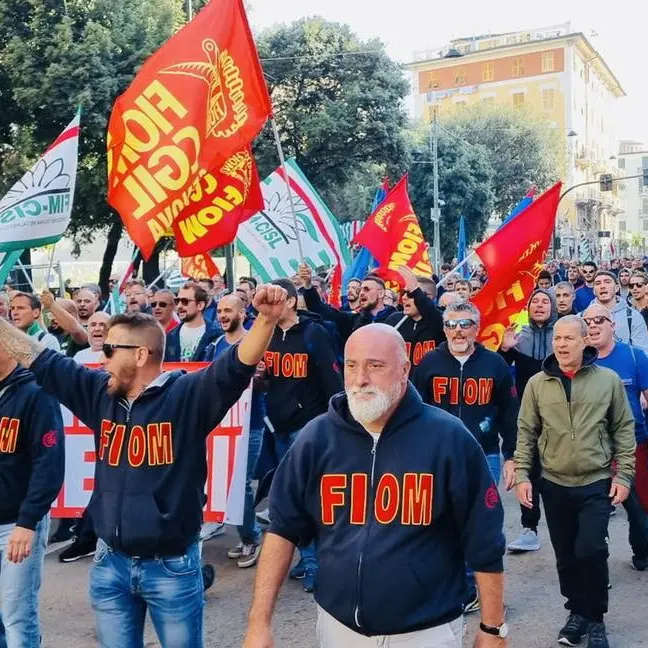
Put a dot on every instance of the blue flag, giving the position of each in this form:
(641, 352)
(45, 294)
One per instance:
(520, 207)
(363, 261)
(461, 246)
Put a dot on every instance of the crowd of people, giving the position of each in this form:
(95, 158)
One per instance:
(382, 429)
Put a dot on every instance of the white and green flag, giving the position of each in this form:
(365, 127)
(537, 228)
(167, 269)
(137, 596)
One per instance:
(37, 209)
(269, 239)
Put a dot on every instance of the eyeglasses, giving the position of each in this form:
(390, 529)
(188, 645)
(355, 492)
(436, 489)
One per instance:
(637, 285)
(597, 319)
(109, 349)
(161, 304)
(461, 323)
(183, 300)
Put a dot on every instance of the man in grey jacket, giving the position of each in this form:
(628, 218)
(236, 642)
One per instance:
(629, 324)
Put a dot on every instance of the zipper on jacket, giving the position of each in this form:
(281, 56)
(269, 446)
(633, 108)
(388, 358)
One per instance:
(128, 406)
(460, 395)
(356, 613)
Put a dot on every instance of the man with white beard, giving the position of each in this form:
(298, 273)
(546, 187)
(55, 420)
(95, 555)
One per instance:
(360, 481)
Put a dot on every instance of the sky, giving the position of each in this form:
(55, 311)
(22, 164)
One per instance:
(618, 32)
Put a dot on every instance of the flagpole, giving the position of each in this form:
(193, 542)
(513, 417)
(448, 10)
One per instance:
(29, 281)
(282, 161)
(49, 267)
(164, 273)
(454, 270)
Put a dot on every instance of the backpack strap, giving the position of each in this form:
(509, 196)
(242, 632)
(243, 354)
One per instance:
(629, 318)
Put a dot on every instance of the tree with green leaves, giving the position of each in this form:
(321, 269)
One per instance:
(56, 56)
(339, 107)
(465, 187)
(521, 146)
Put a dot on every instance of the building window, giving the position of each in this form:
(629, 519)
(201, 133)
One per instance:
(488, 72)
(460, 76)
(434, 81)
(518, 99)
(622, 226)
(488, 101)
(621, 163)
(518, 66)
(461, 105)
(548, 100)
(645, 226)
(644, 162)
(645, 207)
(548, 64)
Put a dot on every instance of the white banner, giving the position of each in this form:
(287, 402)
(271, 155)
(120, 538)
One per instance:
(37, 209)
(227, 448)
(269, 239)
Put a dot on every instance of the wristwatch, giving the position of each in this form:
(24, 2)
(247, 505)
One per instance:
(497, 631)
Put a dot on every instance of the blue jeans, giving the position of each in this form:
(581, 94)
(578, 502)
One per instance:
(282, 445)
(495, 465)
(123, 588)
(19, 587)
(249, 531)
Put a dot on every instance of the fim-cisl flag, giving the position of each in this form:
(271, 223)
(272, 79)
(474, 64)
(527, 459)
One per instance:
(393, 235)
(513, 258)
(37, 209)
(179, 137)
(269, 239)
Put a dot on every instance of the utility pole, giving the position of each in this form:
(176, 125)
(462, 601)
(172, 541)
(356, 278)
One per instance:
(189, 9)
(436, 212)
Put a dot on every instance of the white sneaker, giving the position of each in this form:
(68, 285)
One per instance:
(210, 530)
(236, 552)
(526, 541)
(249, 555)
(263, 517)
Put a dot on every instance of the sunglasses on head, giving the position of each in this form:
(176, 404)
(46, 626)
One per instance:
(460, 323)
(109, 349)
(161, 304)
(183, 300)
(597, 319)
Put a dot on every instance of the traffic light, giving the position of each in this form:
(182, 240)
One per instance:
(605, 182)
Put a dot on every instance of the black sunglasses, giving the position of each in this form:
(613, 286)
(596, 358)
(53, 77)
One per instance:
(637, 285)
(461, 323)
(183, 300)
(109, 349)
(597, 319)
(161, 304)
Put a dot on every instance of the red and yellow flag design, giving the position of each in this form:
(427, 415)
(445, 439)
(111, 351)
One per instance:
(198, 267)
(178, 135)
(393, 235)
(513, 258)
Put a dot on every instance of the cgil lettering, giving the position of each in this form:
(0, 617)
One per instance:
(407, 500)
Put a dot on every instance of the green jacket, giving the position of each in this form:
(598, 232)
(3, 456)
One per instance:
(579, 427)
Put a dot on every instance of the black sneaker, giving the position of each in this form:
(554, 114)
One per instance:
(572, 633)
(640, 564)
(64, 532)
(208, 576)
(78, 549)
(596, 637)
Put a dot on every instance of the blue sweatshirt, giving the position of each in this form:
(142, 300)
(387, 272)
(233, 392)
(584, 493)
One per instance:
(32, 450)
(151, 456)
(394, 522)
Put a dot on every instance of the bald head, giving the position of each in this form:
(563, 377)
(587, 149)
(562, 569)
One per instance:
(230, 313)
(69, 307)
(375, 374)
(232, 301)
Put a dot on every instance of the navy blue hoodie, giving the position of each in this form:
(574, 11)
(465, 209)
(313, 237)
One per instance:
(481, 393)
(173, 351)
(32, 450)
(394, 523)
(151, 456)
(302, 373)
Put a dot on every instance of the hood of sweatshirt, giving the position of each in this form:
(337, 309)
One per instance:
(534, 340)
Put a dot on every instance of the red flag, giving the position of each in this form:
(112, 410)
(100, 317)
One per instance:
(393, 236)
(197, 102)
(513, 258)
(198, 267)
(335, 295)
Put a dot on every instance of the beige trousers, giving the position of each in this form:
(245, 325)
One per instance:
(333, 634)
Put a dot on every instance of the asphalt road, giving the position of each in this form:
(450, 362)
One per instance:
(535, 608)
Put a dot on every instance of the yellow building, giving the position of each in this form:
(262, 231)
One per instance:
(556, 72)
